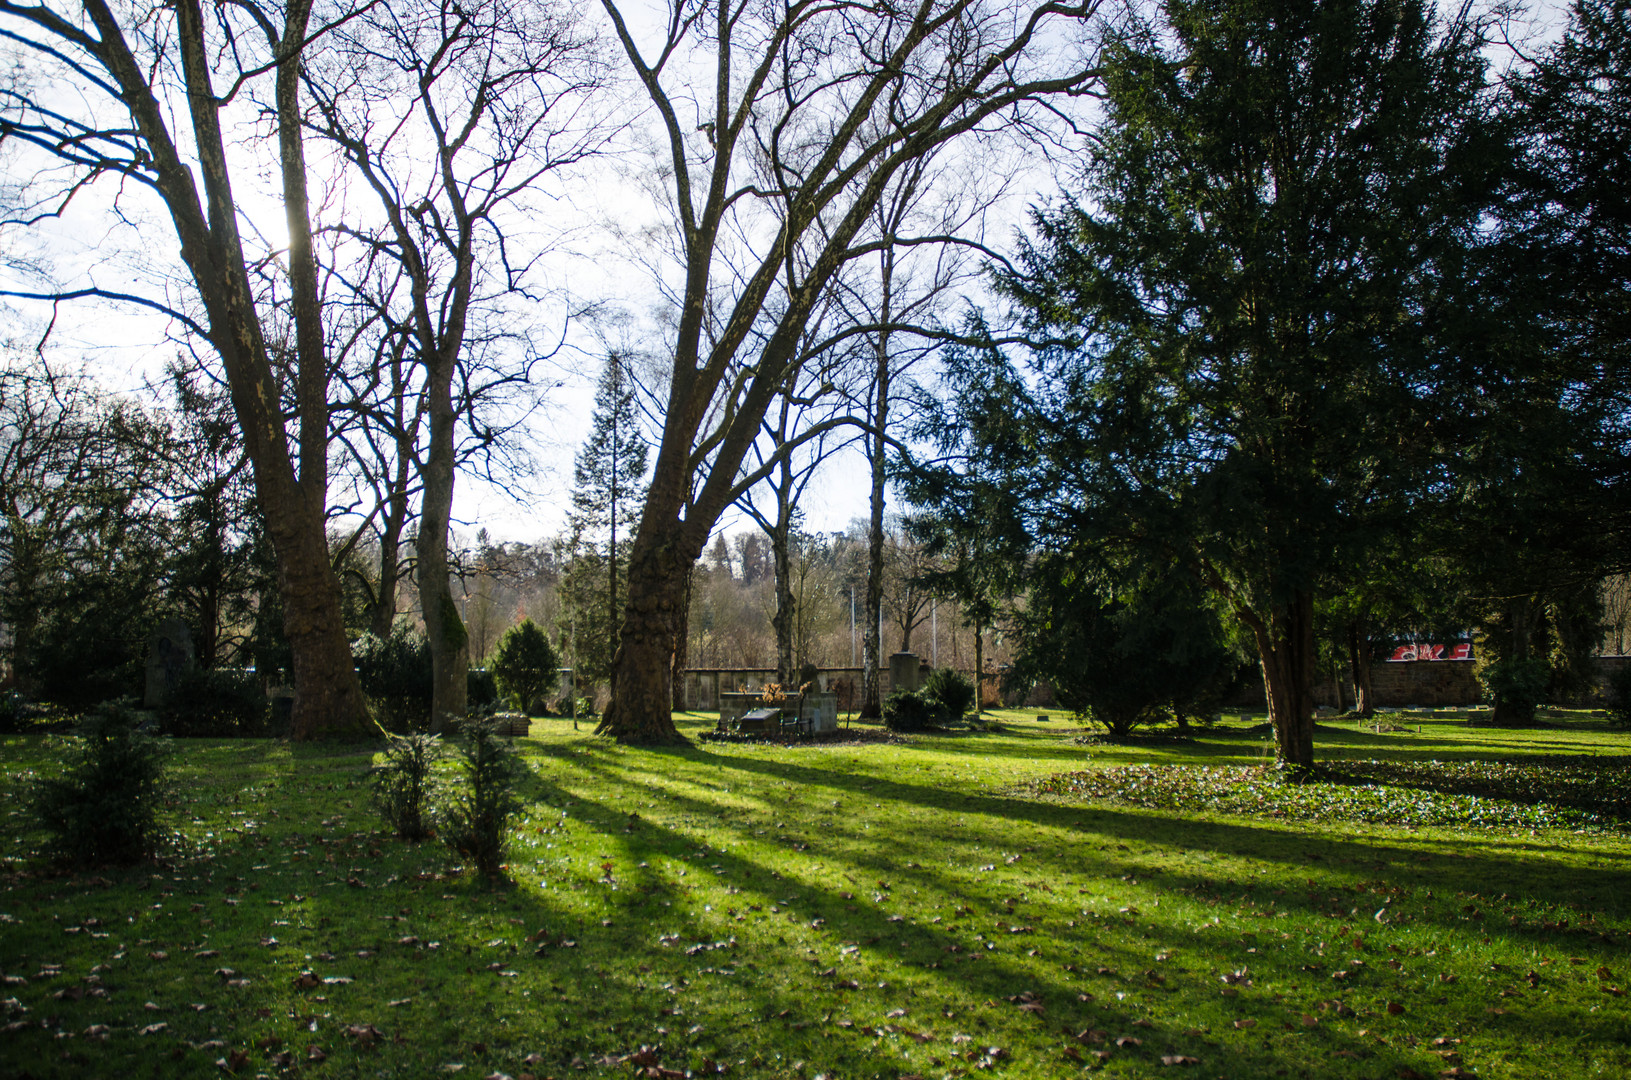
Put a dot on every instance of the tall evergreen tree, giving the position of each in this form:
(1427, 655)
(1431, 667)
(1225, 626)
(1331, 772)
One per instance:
(1261, 274)
(606, 494)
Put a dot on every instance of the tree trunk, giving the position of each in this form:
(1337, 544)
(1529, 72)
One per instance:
(872, 608)
(445, 630)
(1509, 711)
(1286, 645)
(979, 669)
(640, 711)
(782, 621)
(383, 615)
(328, 698)
(682, 641)
(1359, 668)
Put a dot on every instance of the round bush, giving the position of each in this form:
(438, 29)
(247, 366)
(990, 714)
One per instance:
(950, 692)
(219, 703)
(396, 676)
(524, 665)
(908, 710)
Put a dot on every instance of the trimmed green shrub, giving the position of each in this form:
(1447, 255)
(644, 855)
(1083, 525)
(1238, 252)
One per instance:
(396, 677)
(949, 692)
(219, 703)
(478, 815)
(524, 665)
(104, 808)
(404, 786)
(908, 710)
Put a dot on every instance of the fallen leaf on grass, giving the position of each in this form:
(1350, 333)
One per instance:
(364, 1034)
(1394, 1008)
(1244, 1025)
(154, 1029)
(1129, 1040)
(1179, 1059)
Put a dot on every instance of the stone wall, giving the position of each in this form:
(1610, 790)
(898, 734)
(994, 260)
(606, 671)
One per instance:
(1394, 684)
(1430, 683)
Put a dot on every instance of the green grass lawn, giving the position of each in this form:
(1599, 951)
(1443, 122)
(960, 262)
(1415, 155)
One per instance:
(945, 906)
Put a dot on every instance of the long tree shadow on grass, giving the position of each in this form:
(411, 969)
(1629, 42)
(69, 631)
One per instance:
(1514, 872)
(817, 902)
(931, 955)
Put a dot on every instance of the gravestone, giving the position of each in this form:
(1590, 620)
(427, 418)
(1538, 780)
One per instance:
(169, 656)
(903, 672)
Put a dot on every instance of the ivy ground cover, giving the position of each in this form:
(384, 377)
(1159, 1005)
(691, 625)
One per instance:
(1014, 903)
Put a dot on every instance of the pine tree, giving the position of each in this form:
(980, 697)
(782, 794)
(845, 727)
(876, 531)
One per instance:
(606, 494)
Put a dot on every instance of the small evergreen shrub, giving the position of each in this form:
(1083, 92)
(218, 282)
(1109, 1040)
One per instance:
(404, 786)
(950, 693)
(104, 808)
(524, 665)
(1619, 696)
(908, 710)
(12, 708)
(478, 815)
(481, 692)
(220, 703)
(396, 676)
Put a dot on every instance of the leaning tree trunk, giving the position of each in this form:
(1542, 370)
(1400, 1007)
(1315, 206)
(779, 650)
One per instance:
(1285, 643)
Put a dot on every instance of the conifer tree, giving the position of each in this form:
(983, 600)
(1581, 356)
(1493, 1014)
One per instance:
(606, 494)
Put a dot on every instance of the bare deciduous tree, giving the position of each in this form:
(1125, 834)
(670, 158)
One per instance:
(454, 113)
(814, 109)
(130, 104)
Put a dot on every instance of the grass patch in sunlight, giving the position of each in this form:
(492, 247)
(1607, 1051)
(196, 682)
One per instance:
(854, 909)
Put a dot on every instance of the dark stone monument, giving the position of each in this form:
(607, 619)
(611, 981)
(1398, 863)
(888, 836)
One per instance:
(904, 671)
(169, 655)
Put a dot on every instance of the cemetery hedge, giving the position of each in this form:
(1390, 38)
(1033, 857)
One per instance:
(1039, 902)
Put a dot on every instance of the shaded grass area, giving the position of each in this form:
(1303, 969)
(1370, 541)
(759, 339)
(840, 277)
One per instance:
(855, 910)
